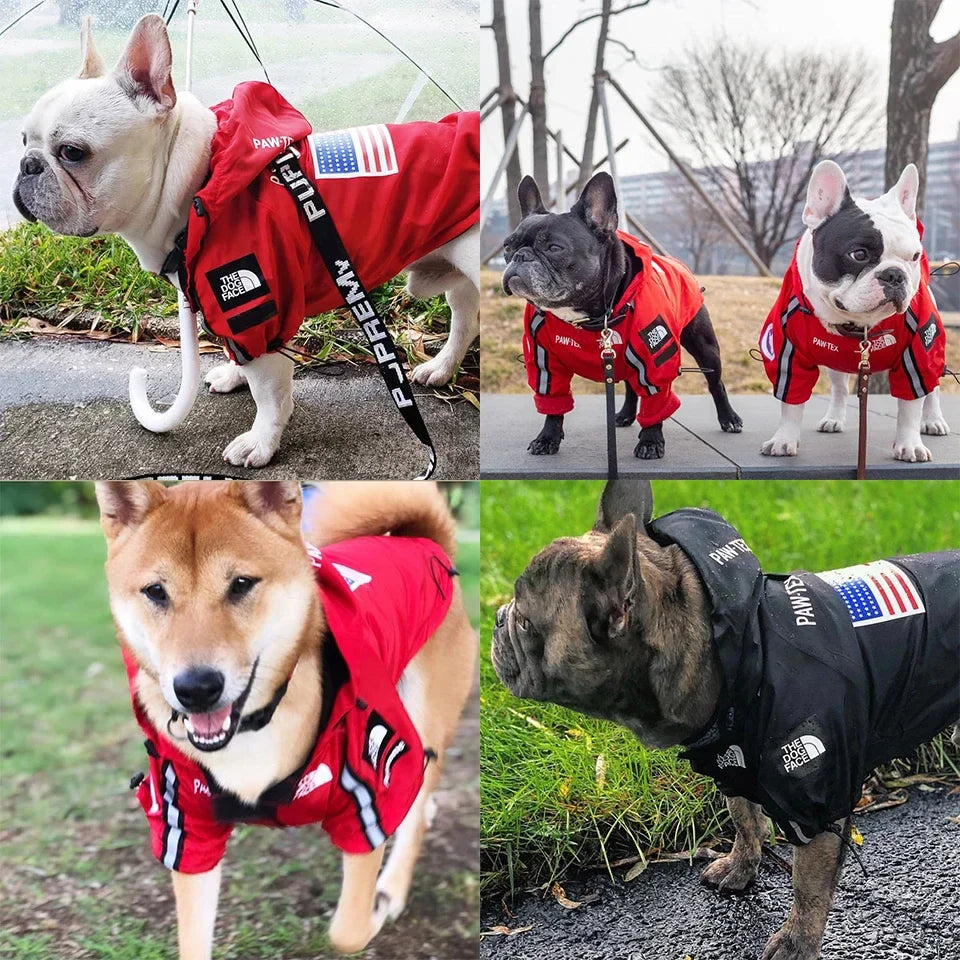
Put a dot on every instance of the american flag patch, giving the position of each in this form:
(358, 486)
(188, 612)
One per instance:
(875, 592)
(357, 152)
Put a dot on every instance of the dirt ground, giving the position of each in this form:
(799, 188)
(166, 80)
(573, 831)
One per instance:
(737, 305)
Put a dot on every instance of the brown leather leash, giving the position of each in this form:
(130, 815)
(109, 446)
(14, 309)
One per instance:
(863, 381)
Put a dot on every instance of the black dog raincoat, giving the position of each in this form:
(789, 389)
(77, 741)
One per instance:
(826, 675)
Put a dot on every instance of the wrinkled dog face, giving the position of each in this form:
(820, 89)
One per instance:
(92, 142)
(862, 255)
(556, 260)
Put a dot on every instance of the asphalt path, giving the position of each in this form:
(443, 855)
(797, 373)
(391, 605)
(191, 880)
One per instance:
(64, 414)
(905, 909)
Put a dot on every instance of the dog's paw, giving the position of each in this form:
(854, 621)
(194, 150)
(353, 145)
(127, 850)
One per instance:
(225, 377)
(780, 448)
(390, 900)
(625, 418)
(348, 936)
(937, 427)
(434, 372)
(832, 423)
(650, 449)
(251, 449)
(542, 445)
(786, 944)
(911, 451)
(729, 874)
(731, 422)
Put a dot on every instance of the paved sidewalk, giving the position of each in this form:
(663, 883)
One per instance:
(696, 446)
(64, 413)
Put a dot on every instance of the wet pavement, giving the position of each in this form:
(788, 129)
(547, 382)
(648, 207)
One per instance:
(906, 909)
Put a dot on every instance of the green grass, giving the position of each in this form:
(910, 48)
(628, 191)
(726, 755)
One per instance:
(545, 809)
(77, 879)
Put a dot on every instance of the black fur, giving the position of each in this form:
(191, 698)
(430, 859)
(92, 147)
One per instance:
(849, 229)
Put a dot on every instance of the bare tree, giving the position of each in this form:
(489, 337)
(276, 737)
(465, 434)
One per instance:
(538, 100)
(919, 67)
(695, 224)
(507, 112)
(759, 121)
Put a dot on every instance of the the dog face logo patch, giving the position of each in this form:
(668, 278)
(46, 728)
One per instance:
(313, 780)
(801, 751)
(766, 342)
(929, 332)
(237, 282)
(875, 592)
(353, 578)
(655, 335)
(733, 757)
(882, 340)
(377, 734)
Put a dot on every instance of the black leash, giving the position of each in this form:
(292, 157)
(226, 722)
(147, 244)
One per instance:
(607, 355)
(287, 172)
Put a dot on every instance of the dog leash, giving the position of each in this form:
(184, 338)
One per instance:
(326, 238)
(863, 383)
(607, 355)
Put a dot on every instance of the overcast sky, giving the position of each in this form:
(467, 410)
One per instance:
(659, 33)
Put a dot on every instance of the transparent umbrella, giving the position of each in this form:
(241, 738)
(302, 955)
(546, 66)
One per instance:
(324, 60)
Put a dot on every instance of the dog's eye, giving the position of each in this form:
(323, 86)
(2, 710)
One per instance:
(70, 153)
(156, 593)
(916, 256)
(860, 255)
(241, 586)
(23, 137)
(523, 624)
(554, 248)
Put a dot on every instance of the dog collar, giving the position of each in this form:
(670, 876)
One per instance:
(260, 718)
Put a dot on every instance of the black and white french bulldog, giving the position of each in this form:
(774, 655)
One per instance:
(121, 151)
(574, 266)
(859, 265)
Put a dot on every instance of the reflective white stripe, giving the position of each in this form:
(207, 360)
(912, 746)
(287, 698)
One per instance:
(637, 364)
(173, 818)
(365, 809)
(398, 749)
(796, 829)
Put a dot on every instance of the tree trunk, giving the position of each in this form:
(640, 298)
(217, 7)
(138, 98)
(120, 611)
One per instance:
(919, 67)
(586, 158)
(538, 103)
(507, 110)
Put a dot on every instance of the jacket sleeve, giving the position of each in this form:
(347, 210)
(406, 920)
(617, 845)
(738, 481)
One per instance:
(652, 356)
(548, 377)
(184, 834)
(921, 365)
(792, 373)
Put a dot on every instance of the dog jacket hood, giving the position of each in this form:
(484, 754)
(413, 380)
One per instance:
(383, 597)
(395, 191)
(647, 321)
(794, 343)
(825, 675)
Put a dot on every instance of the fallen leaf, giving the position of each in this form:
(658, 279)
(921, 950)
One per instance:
(600, 771)
(635, 871)
(471, 398)
(856, 836)
(560, 895)
(501, 931)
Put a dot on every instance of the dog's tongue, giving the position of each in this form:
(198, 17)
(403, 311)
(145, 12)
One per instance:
(207, 724)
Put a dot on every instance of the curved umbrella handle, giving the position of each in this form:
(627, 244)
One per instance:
(161, 421)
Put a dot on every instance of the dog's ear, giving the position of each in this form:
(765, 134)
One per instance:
(528, 193)
(144, 70)
(905, 190)
(126, 503)
(826, 193)
(597, 205)
(614, 582)
(621, 497)
(91, 63)
(278, 503)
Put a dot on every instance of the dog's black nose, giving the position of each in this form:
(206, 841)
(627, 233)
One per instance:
(198, 688)
(30, 166)
(892, 277)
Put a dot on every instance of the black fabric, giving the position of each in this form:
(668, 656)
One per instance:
(811, 703)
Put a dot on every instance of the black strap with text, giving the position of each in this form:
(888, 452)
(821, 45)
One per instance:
(289, 174)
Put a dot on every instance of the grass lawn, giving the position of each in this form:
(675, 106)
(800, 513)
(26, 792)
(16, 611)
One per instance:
(560, 790)
(738, 306)
(77, 879)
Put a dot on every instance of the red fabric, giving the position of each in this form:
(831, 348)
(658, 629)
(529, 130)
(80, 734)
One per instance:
(378, 625)
(387, 221)
(660, 301)
(794, 343)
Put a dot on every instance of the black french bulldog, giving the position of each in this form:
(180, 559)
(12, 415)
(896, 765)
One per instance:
(574, 267)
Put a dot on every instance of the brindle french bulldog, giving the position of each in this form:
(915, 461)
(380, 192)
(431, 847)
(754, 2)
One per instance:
(618, 627)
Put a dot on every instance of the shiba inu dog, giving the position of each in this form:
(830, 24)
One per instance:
(288, 681)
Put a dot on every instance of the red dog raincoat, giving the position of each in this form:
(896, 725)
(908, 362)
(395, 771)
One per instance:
(658, 303)
(395, 192)
(383, 598)
(794, 343)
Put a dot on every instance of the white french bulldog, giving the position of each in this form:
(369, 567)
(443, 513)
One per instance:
(122, 152)
(859, 265)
